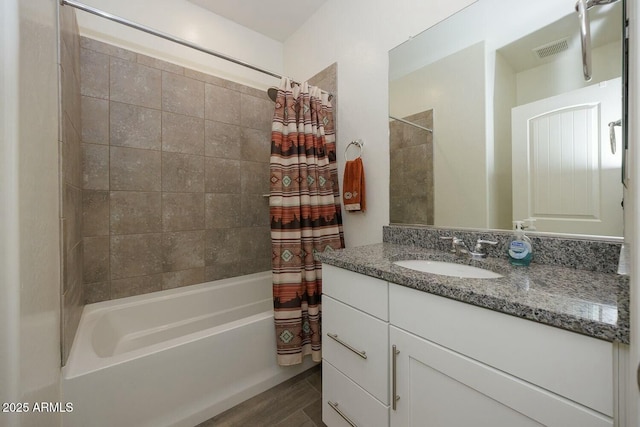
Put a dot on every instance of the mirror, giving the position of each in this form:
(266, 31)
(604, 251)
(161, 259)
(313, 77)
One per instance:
(491, 120)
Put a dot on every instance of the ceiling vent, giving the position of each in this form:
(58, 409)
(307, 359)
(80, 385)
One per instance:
(551, 49)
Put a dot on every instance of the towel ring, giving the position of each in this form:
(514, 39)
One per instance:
(358, 143)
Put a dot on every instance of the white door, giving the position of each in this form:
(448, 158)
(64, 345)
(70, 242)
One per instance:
(563, 170)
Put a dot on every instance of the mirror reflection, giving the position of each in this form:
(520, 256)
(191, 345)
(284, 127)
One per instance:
(492, 121)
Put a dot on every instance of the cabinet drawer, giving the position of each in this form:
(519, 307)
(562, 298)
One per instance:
(355, 333)
(363, 292)
(351, 400)
(575, 366)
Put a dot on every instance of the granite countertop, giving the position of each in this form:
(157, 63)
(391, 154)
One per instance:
(591, 303)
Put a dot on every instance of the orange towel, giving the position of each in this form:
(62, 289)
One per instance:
(353, 188)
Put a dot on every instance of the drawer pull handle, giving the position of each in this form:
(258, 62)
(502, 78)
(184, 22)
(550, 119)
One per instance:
(394, 364)
(360, 353)
(334, 405)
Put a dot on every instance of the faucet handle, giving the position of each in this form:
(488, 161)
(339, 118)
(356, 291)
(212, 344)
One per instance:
(454, 242)
(481, 242)
(477, 251)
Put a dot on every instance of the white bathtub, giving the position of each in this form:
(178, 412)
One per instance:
(173, 358)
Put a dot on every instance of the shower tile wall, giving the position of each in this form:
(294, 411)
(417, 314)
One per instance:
(70, 178)
(411, 180)
(175, 165)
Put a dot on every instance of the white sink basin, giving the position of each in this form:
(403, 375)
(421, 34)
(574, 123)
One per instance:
(447, 269)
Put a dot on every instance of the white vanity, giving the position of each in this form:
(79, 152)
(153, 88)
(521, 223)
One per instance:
(398, 356)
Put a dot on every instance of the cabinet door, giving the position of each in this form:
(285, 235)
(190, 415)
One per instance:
(439, 387)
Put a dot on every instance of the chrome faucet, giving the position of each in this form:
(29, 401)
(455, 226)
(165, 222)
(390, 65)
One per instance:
(480, 245)
(459, 247)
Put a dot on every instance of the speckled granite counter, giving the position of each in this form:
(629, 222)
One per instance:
(591, 303)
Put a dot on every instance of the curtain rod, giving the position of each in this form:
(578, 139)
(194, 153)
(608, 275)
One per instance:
(163, 35)
(411, 123)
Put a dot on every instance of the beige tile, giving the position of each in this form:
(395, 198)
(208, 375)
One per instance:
(254, 210)
(222, 105)
(297, 419)
(136, 255)
(182, 211)
(70, 94)
(217, 81)
(182, 172)
(271, 407)
(94, 74)
(221, 270)
(95, 167)
(315, 379)
(222, 175)
(222, 140)
(72, 214)
(96, 292)
(73, 300)
(255, 242)
(254, 265)
(107, 49)
(135, 127)
(256, 112)
(256, 145)
(95, 120)
(182, 95)
(133, 83)
(96, 259)
(71, 156)
(95, 213)
(69, 33)
(135, 212)
(222, 211)
(123, 288)
(183, 250)
(160, 64)
(255, 178)
(132, 169)
(176, 279)
(182, 134)
(72, 277)
(222, 245)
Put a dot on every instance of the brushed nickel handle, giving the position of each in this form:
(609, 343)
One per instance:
(360, 353)
(394, 364)
(334, 405)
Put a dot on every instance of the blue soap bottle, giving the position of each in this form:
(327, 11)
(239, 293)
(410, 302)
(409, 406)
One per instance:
(520, 247)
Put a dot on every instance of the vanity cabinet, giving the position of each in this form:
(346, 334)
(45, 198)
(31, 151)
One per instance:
(355, 378)
(454, 364)
(461, 365)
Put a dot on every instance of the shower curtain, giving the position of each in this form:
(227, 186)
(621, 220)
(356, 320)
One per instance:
(305, 215)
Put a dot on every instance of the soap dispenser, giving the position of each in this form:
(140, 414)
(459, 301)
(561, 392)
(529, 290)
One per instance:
(520, 247)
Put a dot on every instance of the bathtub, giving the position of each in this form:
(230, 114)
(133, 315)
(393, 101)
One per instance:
(173, 358)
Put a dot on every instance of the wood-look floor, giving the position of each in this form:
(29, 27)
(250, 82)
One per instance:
(294, 403)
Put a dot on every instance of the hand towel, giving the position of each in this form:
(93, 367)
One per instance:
(353, 187)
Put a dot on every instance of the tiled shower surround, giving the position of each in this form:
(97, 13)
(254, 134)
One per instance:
(175, 165)
(70, 178)
(411, 157)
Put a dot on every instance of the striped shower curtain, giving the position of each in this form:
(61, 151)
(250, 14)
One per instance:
(305, 215)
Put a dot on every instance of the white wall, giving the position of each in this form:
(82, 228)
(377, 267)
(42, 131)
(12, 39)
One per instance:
(631, 216)
(29, 227)
(535, 83)
(358, 35)
(185, 20)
